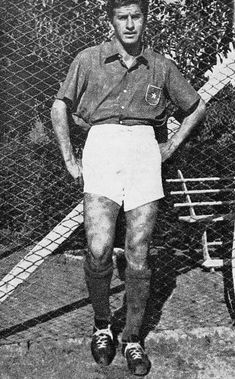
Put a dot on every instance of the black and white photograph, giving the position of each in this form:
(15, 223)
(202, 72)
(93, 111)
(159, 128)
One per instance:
(117, 189)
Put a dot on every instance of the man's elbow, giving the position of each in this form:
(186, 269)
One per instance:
(201, 109)
(58, 109)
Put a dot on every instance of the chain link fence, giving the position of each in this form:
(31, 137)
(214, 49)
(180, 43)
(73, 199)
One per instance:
(42, 290)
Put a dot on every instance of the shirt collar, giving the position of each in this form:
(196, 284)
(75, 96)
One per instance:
(111, 53)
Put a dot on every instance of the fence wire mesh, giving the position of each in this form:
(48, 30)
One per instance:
(42, 291)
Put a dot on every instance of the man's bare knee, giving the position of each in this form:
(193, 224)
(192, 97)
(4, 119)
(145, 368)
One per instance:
(98, 264)
(98, 251)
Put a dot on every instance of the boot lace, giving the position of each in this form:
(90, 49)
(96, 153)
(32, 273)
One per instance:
(135, 350)
(102, 337)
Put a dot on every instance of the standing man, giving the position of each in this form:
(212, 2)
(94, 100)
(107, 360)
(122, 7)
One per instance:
(117, 91)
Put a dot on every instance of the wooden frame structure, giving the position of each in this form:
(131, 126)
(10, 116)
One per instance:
(207, 220)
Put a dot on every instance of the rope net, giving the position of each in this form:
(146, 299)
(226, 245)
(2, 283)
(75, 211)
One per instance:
(42, 288)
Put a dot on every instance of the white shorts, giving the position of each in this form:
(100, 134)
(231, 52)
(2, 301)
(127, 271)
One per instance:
(123, 163)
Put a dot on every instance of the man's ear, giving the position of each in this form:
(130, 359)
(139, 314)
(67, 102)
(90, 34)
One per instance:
(111, 30)
(111, 27)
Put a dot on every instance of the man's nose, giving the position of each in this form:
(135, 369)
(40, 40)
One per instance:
(130, 23)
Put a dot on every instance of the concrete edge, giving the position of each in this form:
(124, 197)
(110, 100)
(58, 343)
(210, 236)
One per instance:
(180, 334)
(175, 335)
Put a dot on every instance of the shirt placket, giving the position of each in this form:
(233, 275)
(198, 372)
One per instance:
(123, 97)
(125, 92)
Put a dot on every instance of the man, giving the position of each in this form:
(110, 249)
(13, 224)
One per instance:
(117, 91)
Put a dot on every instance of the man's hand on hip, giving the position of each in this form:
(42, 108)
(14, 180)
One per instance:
(74, 167)
(168, 148)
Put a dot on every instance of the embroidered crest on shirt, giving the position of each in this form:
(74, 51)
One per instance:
(153, 94)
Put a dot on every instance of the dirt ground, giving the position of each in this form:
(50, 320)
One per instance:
(201, 353)
(46, 324)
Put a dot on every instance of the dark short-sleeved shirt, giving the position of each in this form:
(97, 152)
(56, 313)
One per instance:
(101, 89)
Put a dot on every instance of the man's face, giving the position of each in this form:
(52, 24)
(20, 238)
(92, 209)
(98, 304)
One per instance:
(128, 23)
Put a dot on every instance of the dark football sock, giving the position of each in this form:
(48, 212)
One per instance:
(98, 285)
(137, 292)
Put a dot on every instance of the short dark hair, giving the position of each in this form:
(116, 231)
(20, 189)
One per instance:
(112, 4)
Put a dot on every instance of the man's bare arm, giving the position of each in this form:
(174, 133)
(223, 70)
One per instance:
(61, 128)
(189, 122)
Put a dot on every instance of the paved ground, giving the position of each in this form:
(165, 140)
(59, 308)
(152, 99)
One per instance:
(201, 353)
(46, 323)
